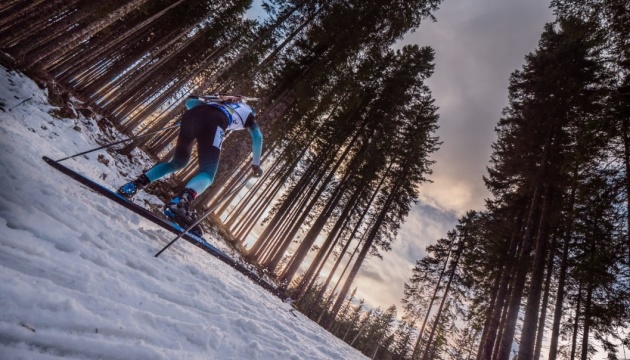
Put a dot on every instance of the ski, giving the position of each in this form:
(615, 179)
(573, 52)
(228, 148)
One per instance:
(198, 241)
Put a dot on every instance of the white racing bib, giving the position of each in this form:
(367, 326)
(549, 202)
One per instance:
(219, 135)
(236, 113)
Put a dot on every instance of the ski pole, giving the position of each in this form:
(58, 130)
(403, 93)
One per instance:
(118, 142)
(200, 219)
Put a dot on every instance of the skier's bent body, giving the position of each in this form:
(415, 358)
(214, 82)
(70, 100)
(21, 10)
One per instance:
(206, 122)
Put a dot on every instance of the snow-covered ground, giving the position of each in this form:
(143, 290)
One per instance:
(78, 279)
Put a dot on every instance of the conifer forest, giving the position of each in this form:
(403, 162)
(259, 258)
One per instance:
(541, 272)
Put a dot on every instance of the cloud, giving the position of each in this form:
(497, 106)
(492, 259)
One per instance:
(478, 45)
(380, 282)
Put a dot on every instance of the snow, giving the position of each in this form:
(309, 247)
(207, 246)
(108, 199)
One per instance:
(78, 279)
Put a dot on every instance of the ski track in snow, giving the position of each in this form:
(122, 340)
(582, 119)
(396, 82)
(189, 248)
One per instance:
(78, 279)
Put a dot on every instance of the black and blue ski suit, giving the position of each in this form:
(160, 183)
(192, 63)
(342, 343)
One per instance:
(206, 122)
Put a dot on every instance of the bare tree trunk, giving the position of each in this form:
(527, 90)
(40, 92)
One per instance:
(53, 30)
(488, 315)
(522, 268)
(576, 322)
(244, 207)
(589, 296)
(323, 186)
(128, 34)
(626, 154)
(142, 64)
(416, 347)
(545, 301)
(342, 254)
(35, 14)
(308, 240)
(310, 237)
(72, 41)
(292, 197)
(311, 271)
(530, 321)
(587, 321)
(263, 204)
(285, 241)
(329, 251)
(486, 348)
(501, 329)
(10, 6)
(264, 241)
(460, 248)
(568, 231)
(362, 255)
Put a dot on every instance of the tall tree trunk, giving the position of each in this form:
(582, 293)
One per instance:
(488, 315)
(438, 316)
(589, 296)
(362, 255)
(278, 243)
(557, 314)
(324, 185)
(522, 268)
(312, 272)
(275, 222)
(73, 40)
(416, 347)
(626, 155)
(587, 320)
(543, 311)
(486, 348)
(358, 223)
(532, 309)
(13, 27)
(504, 315)
(310, 237)
(341, 255)
(12, 7)
(576, 322)
(130, 33)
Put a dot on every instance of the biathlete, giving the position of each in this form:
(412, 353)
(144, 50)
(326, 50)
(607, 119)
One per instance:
(205, 120)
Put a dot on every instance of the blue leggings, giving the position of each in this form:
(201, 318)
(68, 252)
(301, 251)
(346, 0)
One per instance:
(206, 125)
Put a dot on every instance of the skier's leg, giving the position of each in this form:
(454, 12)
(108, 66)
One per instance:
(209, 134)
(183, 150)
(209, 151)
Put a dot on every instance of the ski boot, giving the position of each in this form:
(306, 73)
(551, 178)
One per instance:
(178, 211)
(131, 188)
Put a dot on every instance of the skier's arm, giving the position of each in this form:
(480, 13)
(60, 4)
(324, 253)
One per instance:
(257, 139)
(192, 102)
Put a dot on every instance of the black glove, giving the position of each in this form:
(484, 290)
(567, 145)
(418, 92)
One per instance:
(256, 171)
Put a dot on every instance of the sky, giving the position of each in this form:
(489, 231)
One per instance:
(478, 44)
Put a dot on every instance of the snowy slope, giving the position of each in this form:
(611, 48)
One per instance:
(78, 279)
